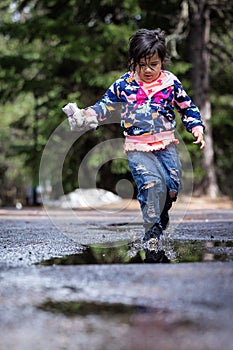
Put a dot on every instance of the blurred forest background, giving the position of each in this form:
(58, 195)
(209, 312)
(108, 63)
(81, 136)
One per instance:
(57, 51)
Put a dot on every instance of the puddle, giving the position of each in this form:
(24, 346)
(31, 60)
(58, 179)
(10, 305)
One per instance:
(84, 308)
(168, 251)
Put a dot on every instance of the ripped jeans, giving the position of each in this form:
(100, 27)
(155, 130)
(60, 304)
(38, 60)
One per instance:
(157, 175)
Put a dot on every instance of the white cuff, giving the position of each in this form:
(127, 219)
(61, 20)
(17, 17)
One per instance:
(77, 120)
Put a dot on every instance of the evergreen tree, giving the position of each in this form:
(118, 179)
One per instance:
(72, 50)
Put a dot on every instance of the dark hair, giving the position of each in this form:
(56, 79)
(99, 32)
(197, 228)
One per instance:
(145, 43)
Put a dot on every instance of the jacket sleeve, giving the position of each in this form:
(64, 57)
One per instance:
(109, 105)
(189, 112)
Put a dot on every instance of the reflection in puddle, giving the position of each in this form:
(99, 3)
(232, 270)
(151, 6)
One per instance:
(174, 251)
(85, 308)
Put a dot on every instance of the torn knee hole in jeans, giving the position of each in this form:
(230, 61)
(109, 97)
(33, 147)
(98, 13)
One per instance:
(149, 185)
(151, 210)
(140, 167)
(173, 195)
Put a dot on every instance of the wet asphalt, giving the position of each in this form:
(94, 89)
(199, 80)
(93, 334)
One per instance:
(109, 303)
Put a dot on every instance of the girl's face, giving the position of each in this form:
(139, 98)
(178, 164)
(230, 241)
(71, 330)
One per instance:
(148, 69)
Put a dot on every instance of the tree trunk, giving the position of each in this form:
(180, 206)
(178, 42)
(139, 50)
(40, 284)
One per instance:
(200, 60)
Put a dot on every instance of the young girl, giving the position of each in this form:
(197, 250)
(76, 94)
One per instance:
(147, 95)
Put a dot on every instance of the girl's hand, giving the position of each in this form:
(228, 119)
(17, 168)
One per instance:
(199, 139)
